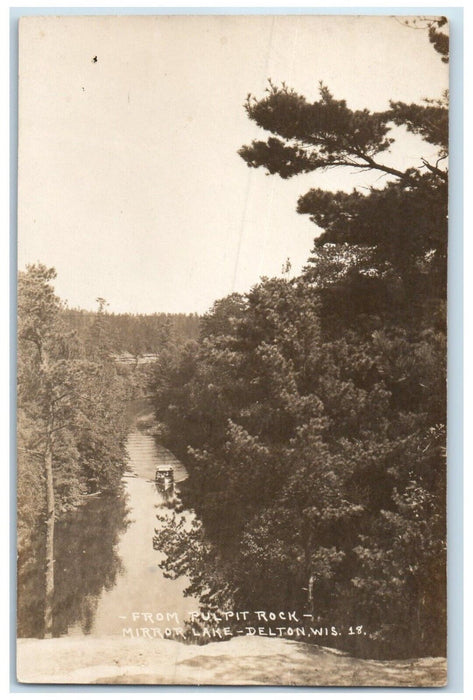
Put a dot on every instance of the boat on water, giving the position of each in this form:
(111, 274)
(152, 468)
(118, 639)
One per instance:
(164, 478)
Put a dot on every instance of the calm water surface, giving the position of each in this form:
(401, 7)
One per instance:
(106, 568)
(140, 584)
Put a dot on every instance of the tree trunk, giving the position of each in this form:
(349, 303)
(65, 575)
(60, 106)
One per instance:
(50, 515)
(310, 578)
(310, 594)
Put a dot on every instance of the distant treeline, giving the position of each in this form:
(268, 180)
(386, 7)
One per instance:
(137, 334)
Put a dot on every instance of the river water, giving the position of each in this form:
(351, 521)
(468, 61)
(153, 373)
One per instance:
(140, 585)
(106, 569)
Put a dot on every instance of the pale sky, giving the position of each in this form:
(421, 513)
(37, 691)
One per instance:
(130, 184)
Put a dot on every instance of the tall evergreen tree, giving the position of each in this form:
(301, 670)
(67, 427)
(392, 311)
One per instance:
(70, 419)
(317, 404)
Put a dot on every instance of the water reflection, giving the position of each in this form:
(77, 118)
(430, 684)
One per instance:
(30, 591)
(106, 568)
(86, 563)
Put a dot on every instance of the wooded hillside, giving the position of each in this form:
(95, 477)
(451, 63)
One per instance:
(311, 412)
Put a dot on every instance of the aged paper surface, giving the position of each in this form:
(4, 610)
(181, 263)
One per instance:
(232, 236)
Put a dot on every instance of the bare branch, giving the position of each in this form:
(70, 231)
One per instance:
(433, 169)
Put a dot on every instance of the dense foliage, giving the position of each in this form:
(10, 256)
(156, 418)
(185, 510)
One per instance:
(71, 421)
(312, 411)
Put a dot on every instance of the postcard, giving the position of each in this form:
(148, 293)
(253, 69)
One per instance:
(231, 397)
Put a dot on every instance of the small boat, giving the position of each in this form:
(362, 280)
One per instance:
(164, 478)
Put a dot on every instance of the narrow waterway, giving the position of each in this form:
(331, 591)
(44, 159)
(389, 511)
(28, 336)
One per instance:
(106, 569)
(140, 586)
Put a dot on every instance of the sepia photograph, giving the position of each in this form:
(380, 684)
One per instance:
(232, 350)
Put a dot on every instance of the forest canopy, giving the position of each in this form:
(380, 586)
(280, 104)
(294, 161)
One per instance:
(311, 411)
